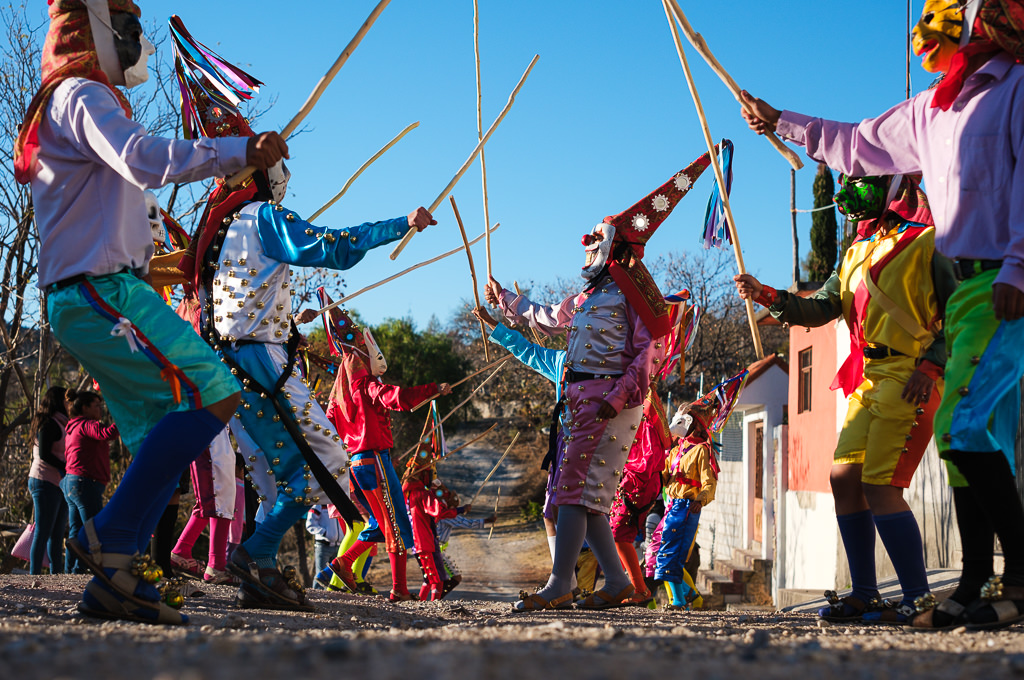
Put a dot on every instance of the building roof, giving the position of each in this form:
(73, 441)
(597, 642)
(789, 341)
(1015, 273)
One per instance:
(756, 369)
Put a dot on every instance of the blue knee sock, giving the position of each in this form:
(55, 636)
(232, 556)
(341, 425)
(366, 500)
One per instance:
(128, 520)
(678, 592)
(264, 543)
(902, 540)
(858, 532)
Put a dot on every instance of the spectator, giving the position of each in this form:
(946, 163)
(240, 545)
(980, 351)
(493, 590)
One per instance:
(87, 451)
(50, 511)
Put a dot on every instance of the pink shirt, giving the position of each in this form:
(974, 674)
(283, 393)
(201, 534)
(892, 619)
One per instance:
(87, 448)
(968, 156)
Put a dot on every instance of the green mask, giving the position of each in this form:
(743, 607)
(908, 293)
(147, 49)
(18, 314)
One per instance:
(861, 198)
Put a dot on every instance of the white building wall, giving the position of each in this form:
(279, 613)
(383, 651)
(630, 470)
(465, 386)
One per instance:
(811, 539)
(721, 522)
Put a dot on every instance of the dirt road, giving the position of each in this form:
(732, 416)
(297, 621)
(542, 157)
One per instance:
(473, 635)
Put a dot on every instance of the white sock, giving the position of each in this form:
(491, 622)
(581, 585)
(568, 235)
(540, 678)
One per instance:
(551, 547)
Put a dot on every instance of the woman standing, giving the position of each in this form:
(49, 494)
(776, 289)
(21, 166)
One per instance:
(87, 449)
(44, 476)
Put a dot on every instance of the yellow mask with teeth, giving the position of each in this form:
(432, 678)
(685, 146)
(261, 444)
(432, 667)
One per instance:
(937, 34)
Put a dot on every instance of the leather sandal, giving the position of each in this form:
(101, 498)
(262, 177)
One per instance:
(640, 599)
(536, 603)
(266, 588)
(602, 599)
(890, 615)
(1000, 606)
(927, 607)
(847, 609)
(113, 596)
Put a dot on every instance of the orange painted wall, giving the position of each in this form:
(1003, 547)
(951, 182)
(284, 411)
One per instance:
(812, 434)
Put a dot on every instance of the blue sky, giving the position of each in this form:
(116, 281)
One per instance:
(604, 118)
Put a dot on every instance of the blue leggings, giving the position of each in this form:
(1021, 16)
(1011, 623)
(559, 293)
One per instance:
(678, 532)
(85, 500)
(51, 520)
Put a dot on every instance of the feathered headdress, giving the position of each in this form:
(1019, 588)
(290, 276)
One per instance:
(211, 92)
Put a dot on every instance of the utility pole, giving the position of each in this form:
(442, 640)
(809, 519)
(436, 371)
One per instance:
(796, 238)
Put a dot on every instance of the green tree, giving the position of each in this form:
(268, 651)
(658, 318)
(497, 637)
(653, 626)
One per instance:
(824, 229)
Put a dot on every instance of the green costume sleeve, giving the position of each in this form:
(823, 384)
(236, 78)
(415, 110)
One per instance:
(945, 283)
(824, 306)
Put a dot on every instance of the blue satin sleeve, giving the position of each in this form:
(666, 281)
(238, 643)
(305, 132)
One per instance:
(548, 362)
(288, 238)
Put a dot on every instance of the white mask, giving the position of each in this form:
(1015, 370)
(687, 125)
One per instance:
(680, 424)
(598, 247)
(156, 223)
(278, 176)
(139, 73)
(103, 38)
(378, 364)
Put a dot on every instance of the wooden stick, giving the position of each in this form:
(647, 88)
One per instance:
(716, 166)
(401, 273)
(493, 364)
(472, 274)
(697, 40)
(480, 135)
(496, 500)
(362, 167)
(494, 469)
(460, 404)
(536, 335)
(318, 91)
(472, 441)
(465, 166)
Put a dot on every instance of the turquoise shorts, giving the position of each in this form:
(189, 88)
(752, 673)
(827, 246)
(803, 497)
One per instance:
(147, 360)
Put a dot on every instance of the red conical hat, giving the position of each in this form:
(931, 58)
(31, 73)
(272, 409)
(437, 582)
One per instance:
(636, 225)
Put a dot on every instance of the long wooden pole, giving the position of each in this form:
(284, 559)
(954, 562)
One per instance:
(475, 373)
(469, 161)
(362, 167)
(320, 88)
(480, 134)
(401, 273)
(462, 403)
(697, 40)
(472, 441)
(496, 501)
(472, 273)
(494, 469)
(536, 335)
(719, 177)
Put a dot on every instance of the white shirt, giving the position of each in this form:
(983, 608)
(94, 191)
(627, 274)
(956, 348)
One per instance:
(92, 167)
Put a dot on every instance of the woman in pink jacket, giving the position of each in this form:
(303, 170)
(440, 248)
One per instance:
(87, 453)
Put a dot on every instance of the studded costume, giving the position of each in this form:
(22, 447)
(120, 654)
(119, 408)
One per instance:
(615, 329)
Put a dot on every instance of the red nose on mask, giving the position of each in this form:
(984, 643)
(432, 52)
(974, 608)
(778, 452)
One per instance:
(587, 240)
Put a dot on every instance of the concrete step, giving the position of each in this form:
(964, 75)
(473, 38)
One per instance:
(752, 560)
(732, 571)
(709, 582)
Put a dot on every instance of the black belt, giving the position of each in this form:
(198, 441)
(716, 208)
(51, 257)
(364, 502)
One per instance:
(82, 278)
(881, 352)
(967, 269)
(572, 376)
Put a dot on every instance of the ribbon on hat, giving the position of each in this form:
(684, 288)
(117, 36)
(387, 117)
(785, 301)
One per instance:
(716, 227)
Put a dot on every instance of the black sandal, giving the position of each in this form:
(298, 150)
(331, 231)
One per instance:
(933, 615)
(847, 609)
(1000, 606)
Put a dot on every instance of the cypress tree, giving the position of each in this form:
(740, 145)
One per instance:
(824, 228)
